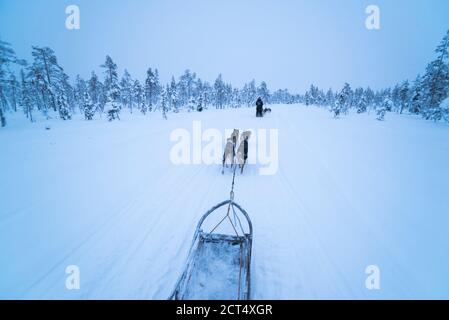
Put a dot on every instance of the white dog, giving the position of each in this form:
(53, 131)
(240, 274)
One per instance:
(229, 153)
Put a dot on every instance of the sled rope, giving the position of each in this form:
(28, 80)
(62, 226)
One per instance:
(231, 197)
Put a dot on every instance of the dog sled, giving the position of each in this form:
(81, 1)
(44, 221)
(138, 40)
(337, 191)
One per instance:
(218, 263)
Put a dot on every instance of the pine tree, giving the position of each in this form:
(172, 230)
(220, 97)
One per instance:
(37, 91)
(385, 106)
(436, 81)
(68, 91)
(369, 94)
(345, 101)
(219, 92)
(263, 92)
(112, 89)
(330, 98)
(339, 105)
(88, 106)
(13, 92)
(416, 96)
(152, 88)
(396, 97)
(62, 106)
(165, 101)
(7, 57)
(362, 104)
(186, 88)
(95, 91)
(26, 101)
(173, 97)
(357, 100)
(139, 96)
(126, 94)
(404, 93)
(80, 88)
(49, 75)
(308, 99)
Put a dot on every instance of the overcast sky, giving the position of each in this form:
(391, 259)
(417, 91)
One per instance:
(289, 44)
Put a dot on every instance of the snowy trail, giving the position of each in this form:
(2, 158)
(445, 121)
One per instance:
(126, 215)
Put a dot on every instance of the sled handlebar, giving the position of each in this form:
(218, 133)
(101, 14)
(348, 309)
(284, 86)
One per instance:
(232, 203)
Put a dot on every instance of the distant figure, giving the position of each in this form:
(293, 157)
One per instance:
(259, 107)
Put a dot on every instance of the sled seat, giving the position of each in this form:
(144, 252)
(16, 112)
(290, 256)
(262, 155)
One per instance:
(218, 265)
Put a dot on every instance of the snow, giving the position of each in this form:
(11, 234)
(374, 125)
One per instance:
(104, 196)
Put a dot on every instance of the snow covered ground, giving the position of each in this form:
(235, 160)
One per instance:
(348, 193)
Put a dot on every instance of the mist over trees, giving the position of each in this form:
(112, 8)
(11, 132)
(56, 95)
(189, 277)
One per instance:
(42, 85)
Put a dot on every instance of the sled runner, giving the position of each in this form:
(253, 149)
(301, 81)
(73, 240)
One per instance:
(218, 264)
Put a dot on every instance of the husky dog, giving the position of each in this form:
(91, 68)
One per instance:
(266, 110)
(235, 136)
(229, 153)
(242, 151)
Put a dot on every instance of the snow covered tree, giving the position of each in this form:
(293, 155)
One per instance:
(362, 103)
(386, 105)
(338, 106)
(63, 106)
(219, 92)
(404, 96)
(396, 97)
(356, 99)
(111, 88)
(152, 88)
(200, 94)
(80, 88)
(227, 94)
(263, 92)
(436, 81)
(343, 101)
(172, 96)
(88, 106)
(7, 57)
(330, 98)
(95, 90)
(25, 97)
(308, 99)
(139, 96)
(281, 96)
(13, 91)
(369, 95)
(416, 96)
(249, 93)
(37, 91)
(165, 101)
(315, 96)
(126, 88)
(199, 106)
(186, 88)
(49, 76)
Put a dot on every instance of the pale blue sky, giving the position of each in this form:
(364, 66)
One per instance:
(289, 44)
